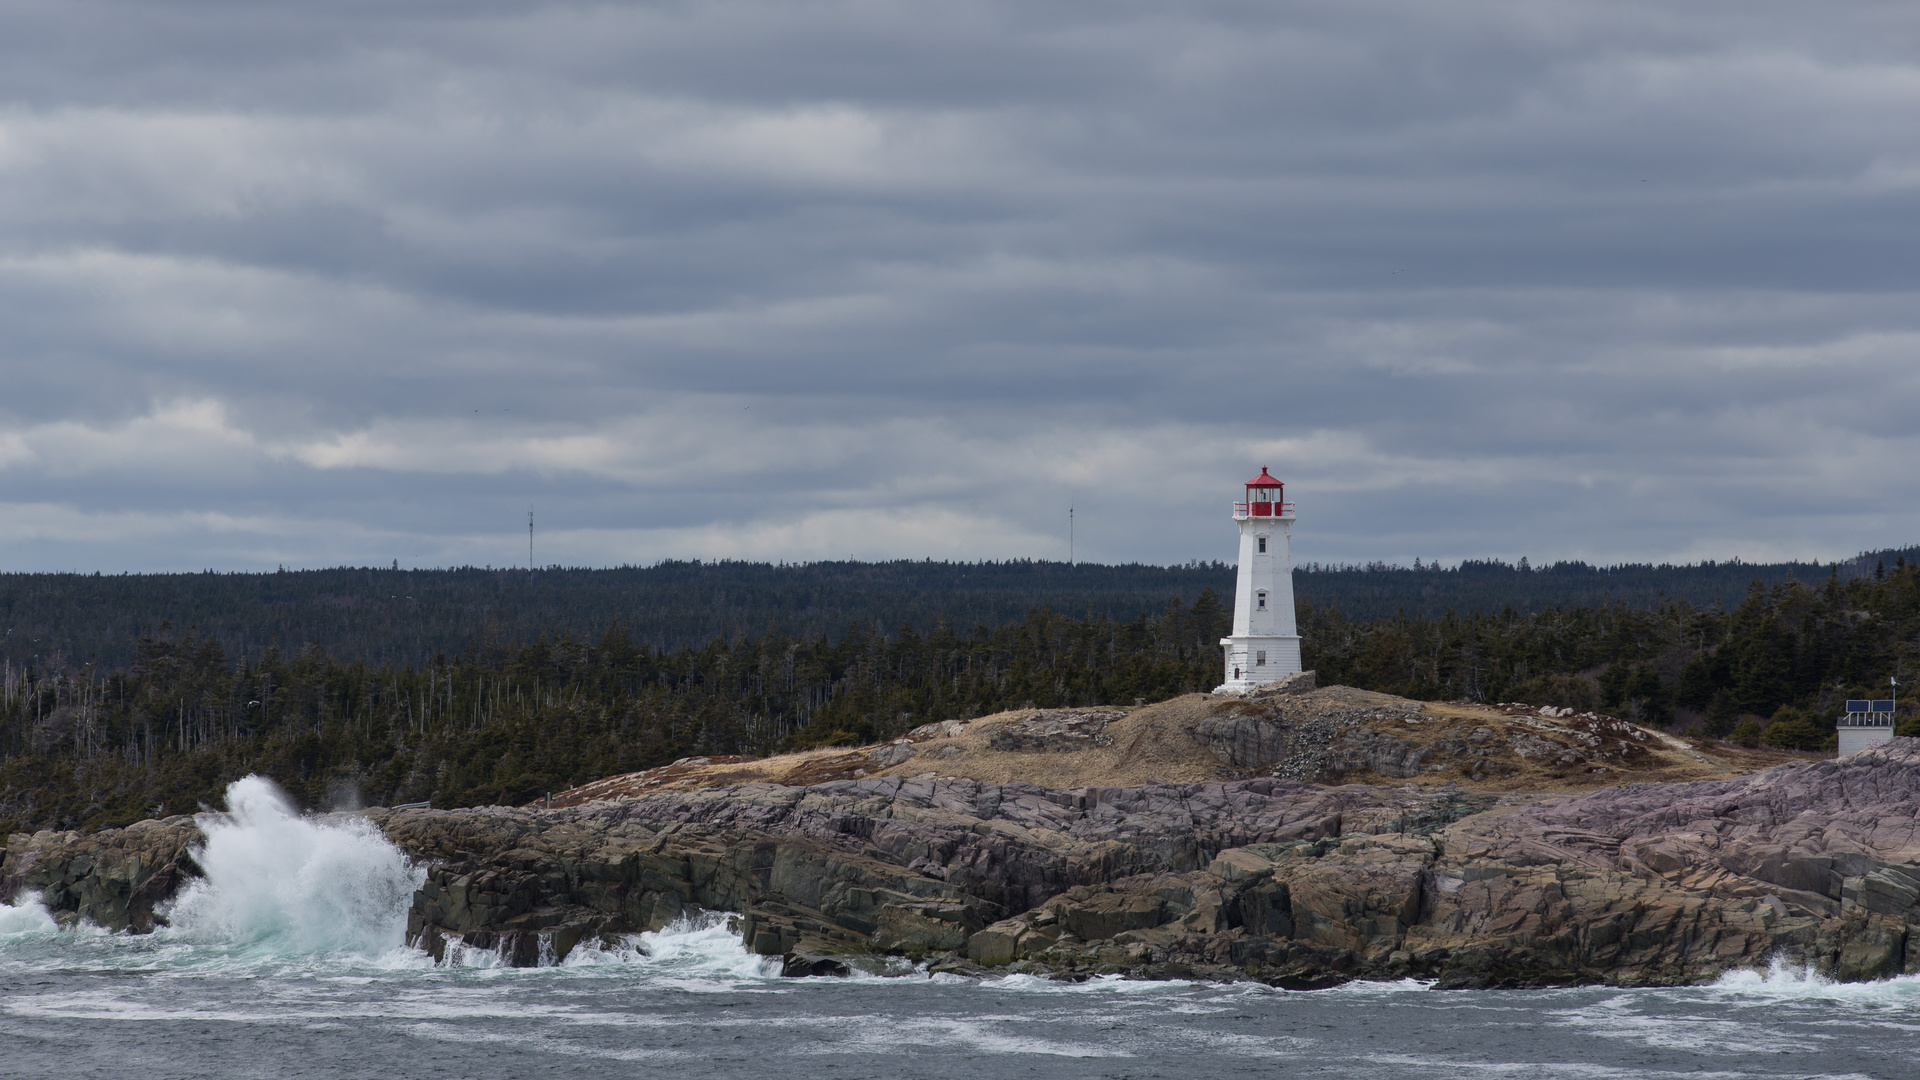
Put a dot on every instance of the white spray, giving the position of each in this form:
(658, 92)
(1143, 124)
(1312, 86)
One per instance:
(26, 915)
(294, 884)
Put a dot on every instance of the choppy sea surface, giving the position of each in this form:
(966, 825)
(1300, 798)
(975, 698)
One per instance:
(286, 962)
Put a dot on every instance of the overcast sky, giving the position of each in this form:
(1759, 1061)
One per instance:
(351, 282)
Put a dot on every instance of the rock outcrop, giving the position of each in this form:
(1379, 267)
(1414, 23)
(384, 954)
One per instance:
(1292, 729)
(1292, 883)
(1297, 739)
(1645, 884)
(113, 879)
(1055, 731)
(914, 867)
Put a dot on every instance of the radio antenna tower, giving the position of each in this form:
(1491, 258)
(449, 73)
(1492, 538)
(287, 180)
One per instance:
(529, 541)
(1070, 562)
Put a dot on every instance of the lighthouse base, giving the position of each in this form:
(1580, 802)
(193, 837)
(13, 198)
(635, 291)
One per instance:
(1254, 662)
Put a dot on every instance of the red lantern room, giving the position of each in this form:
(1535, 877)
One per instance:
(1266, 497)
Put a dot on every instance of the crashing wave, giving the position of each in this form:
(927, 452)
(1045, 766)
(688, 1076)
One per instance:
(26, 915)
(292, 883)
(1784, 980)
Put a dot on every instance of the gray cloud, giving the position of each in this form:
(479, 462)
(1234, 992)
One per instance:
(359, 282)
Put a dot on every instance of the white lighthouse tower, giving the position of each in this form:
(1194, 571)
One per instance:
(1265, 645)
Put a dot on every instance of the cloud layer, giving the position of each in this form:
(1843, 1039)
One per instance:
(362, 282)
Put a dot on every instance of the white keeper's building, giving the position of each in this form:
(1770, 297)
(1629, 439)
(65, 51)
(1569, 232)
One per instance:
(1265, 645)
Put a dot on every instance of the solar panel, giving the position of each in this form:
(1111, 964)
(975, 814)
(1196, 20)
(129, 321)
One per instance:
(1882, 704)
(1859, 705)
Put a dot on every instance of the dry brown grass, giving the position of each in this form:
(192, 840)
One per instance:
(1157, 743)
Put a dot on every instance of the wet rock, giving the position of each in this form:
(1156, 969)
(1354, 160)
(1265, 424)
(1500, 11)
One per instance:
(807, 965)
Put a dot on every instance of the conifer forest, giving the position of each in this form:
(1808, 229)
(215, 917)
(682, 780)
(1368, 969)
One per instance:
(505, 718)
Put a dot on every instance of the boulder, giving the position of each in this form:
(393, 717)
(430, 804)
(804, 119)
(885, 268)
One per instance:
(891, 754)
(997, 944)
(940, 729)
(916, 929)
(809, 965)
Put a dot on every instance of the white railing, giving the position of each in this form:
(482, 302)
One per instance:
(1246, 509)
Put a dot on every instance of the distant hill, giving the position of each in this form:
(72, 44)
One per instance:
(404, 617)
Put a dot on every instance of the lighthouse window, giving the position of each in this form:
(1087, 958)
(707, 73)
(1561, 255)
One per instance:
(1260, 658)
(1262, 605)
(1263, 545)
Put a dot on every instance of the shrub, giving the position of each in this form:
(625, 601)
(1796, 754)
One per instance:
(1792, 729)
(1576, 692)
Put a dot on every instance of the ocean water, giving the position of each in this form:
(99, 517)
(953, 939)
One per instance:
(287, 962)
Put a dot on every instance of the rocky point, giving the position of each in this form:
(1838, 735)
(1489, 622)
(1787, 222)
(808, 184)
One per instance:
(1289, 882)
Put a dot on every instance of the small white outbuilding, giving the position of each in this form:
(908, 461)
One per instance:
(1865, 723)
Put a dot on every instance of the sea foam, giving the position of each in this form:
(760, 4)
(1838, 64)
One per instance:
(1785, 981)
(700, 946)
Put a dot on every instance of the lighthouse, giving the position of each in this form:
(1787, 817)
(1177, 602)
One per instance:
(1265, 645)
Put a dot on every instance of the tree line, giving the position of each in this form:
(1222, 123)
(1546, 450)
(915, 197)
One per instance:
(404, 618)
(1379, 591)
(501, 721)
(1777, 667)
(401, 618)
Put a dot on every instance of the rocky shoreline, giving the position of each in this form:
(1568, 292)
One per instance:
(1290, 883)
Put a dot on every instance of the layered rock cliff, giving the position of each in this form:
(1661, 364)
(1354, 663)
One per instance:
(1288, 882)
